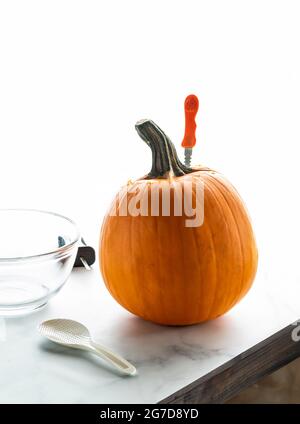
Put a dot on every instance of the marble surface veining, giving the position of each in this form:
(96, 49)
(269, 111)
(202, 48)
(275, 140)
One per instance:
(34, 370)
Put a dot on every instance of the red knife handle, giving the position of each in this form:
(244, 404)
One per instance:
(191, 106)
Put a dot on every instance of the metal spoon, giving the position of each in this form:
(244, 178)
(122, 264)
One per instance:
(74, 334)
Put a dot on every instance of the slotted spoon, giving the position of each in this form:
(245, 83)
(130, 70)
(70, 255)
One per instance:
(75, 335)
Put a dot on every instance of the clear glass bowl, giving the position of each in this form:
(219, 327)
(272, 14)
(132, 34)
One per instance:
(37, 254)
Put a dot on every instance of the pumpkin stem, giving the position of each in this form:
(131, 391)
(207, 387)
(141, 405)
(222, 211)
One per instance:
(164, 155)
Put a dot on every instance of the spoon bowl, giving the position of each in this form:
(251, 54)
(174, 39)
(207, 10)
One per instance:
(65, 331)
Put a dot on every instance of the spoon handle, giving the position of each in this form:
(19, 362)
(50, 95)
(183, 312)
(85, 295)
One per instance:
(113, 358)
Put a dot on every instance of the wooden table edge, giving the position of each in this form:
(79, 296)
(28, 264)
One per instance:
(242, 371)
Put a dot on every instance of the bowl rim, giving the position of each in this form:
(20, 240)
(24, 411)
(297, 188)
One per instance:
(59, 250)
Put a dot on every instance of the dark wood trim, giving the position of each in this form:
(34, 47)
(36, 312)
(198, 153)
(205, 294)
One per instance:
(240, 372)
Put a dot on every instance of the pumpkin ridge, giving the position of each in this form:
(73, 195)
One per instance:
(210, 309)
(160, 249)
(203, 280)
(214, 196)
(119, 294)
(215, 183)
(223, 182)
(185, 266)
(197, 250)
(142, 300)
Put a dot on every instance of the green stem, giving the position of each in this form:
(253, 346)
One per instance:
(164, 155)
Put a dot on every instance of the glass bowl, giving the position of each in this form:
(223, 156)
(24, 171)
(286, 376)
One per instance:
(37, 253)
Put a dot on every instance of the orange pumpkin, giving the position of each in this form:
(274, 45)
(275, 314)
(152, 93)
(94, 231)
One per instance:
(159, 267)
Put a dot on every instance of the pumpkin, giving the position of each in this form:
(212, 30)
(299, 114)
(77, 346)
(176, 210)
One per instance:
(160, 266)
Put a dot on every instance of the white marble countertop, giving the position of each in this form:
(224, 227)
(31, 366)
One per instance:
(34, 370)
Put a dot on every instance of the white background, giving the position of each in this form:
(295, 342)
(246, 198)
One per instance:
(75, 76)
